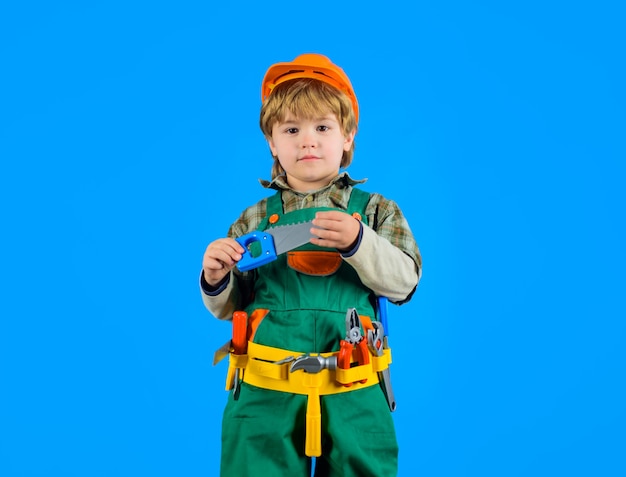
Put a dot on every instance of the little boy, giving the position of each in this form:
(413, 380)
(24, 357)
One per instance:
(300, 306)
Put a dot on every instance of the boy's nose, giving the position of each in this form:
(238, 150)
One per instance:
(308, 140)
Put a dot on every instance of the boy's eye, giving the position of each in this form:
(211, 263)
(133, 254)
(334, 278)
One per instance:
(292, 130)
(322, 128)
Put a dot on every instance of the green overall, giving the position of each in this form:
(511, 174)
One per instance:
(263, 432)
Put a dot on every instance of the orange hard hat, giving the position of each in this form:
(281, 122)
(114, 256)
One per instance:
(309, 65)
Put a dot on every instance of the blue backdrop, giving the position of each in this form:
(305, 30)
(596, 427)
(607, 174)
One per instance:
(129, 140)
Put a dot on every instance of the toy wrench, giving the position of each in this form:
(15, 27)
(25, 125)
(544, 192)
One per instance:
(272, 243)
(375, 340)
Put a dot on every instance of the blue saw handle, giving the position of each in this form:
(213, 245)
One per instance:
(268, 251)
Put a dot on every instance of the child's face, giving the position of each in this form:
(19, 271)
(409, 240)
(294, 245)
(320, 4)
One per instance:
(309, 150)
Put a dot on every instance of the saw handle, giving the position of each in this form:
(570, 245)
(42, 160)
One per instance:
(268, 251)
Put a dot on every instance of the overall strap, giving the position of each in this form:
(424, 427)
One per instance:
(358, 203)
(273, 206)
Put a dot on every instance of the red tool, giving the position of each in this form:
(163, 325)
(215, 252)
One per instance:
(240, 344)
(354, 342)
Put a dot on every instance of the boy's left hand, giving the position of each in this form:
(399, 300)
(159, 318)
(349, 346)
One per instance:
(336, 230)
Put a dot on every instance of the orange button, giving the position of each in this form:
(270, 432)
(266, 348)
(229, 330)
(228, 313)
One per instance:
(357, 216)
(274, 218)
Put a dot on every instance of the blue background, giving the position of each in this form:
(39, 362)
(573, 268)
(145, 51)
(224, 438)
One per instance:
(129, 140)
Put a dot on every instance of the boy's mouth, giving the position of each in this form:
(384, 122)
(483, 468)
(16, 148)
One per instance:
(308, 157)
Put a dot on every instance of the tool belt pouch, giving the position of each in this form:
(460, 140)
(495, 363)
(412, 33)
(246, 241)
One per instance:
(360, 373)
(380, 363)
(235, 361)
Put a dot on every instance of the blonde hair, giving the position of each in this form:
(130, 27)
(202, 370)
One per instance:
(306, 98)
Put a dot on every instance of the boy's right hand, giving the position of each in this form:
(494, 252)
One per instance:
(219, 259)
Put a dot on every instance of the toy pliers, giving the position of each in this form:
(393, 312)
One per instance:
(354, 342)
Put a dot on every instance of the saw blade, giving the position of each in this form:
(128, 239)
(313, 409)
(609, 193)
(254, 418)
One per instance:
(288, 237)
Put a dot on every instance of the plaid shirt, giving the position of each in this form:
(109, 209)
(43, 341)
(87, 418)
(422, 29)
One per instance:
(383, 215)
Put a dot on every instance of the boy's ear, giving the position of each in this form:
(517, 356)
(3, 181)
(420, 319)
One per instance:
(270, 142)
(349, 139)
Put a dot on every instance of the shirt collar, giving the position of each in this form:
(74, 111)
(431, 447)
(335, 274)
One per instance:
(343, 179)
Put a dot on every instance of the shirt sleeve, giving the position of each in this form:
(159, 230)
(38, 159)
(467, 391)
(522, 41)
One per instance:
(235, 292)
(387, 260)
(221, 301)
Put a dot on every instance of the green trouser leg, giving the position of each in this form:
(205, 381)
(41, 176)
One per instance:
(263, 435)
(363, 442)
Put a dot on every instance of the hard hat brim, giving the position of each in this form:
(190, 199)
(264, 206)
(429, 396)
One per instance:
(280, 72)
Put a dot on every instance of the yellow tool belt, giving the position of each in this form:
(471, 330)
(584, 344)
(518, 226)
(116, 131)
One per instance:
(268, 368)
